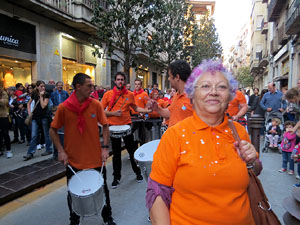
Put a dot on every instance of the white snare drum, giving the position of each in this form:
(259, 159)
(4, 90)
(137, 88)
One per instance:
(144, 156)
(119, 131)
(87, 192)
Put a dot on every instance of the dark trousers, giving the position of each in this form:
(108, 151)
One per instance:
(131, 146)
(140, 128)
(106, 211)
(15, 127)
(4, 128)
(21, 127)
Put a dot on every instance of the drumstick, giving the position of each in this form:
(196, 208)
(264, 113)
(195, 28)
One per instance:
(123, 103)
(75, 174)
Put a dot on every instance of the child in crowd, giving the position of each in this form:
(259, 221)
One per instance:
(274, 133)
(287, 146)
(296, 155)
(60, 132)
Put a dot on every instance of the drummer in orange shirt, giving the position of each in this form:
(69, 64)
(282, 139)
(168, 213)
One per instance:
(117, 104)
(140, 97)
(154, 118)
(181, 107)
(199, 172)
(80, 115)
(237, 107)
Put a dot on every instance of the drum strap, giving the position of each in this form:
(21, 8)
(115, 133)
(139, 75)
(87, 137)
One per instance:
(115, 103)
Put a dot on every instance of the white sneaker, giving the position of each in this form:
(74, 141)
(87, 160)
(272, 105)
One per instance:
(9, 154)
(297, 177)
(44, 146)
(38, 147)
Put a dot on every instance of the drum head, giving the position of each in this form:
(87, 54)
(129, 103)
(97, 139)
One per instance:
(120, 128)
(146, 151)
(89, 182)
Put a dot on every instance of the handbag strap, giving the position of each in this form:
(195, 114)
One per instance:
(115, 102)
(234, 131)
(35, 105)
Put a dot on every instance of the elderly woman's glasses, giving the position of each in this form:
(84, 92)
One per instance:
(208, 87)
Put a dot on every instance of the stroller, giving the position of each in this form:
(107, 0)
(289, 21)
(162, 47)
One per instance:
(268, 124)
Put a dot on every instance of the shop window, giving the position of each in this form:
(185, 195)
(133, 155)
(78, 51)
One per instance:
(142, 75)
(13, 71)
(71, 68)
(154, 78)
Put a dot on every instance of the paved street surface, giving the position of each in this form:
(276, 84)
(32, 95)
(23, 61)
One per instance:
(128, 204)
(19, 150)
(49, 207)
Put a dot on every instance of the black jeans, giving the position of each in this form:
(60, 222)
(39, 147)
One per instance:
(131, 146)
(21, 127)
(4, 126)
(106, 211)
(140, 127)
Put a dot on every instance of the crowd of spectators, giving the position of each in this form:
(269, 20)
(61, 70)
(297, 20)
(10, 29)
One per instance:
(41, 100)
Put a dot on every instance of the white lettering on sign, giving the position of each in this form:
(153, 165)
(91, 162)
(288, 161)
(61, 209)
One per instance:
(9, 40)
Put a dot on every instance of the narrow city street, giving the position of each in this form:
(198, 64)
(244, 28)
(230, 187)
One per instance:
(48, 206)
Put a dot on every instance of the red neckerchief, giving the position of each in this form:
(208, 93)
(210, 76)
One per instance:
(139, 92)
(117, 93)
(73, 105)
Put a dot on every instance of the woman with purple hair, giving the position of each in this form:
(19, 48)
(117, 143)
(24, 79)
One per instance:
(199, 172)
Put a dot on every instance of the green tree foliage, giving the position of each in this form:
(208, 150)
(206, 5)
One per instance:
(206, 41)
(243, 75)
(174, 23)
(124, 25)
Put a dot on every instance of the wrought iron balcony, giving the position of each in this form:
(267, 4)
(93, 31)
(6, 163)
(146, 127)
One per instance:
(74, 13)
(264, 27)
(282, 37)
(274, 9)
(293, 22)
(254, 65)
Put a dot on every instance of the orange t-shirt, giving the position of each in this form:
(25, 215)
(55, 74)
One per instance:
(84, 151)
(233, 106)
(180, 108)
(161, 103)
(124, 103)
(209, 178)
(140, 101)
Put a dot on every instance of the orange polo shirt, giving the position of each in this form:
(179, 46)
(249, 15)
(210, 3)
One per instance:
(83, 150)
(161, 103)
(209, 177)
(180, 108)
(124, 103)
(233, 106)
(140, 101)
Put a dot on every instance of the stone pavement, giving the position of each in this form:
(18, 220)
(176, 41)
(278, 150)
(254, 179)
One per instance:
(18, 177)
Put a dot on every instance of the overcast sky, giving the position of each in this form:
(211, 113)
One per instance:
(230, 16)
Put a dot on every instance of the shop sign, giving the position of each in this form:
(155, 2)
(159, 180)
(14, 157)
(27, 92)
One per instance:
(17, 35)
(5, 40)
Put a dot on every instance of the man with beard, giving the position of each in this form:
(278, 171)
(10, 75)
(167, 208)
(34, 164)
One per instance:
(80, 115)
(181, 107)
(117, 103)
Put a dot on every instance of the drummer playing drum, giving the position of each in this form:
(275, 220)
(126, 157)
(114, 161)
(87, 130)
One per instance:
(117, 103)
(80, 115)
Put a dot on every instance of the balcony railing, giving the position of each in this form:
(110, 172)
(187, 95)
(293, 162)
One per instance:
(282, 37)
(264, 26)
(63, 5)
(292, 24)
(274, 9)
(67, 5)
